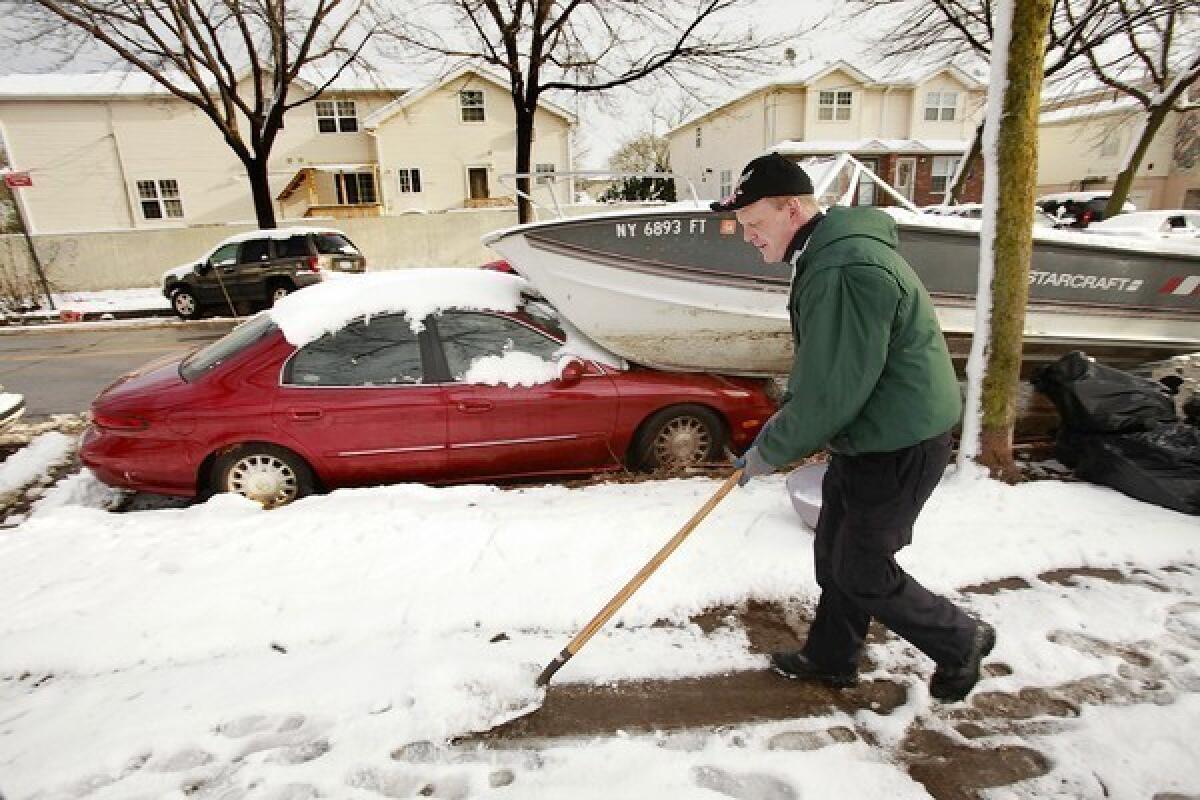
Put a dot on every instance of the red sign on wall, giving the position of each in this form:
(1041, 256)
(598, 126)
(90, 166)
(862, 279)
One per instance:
(18, 180)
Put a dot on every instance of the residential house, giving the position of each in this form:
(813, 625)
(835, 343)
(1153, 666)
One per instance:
(117, 152)
(1085, 139)
(911, 130)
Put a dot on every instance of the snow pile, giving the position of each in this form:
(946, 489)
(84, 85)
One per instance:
(295, 650)
(30, 463)
(511, 369)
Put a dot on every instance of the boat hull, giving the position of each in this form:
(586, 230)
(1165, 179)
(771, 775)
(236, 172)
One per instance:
(681, 290)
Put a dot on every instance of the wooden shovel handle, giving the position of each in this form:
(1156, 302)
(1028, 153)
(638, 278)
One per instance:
(636, 582)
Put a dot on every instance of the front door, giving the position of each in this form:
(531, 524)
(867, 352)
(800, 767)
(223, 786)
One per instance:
(495, 425)
(866, 186)
(219, 277)
(477, 181)
(906, 170)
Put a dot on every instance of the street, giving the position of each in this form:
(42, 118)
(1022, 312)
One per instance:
(60, 369)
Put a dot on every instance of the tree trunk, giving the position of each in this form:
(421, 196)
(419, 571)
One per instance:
(1120, 192)
(1017, 175)
(524, 157)
(260, 189)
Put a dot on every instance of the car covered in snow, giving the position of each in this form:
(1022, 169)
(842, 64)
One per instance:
(1178, 224)
(257, 268)
(975, 211)
(427, 375)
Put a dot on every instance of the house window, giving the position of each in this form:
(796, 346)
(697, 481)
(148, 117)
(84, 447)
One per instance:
(160, 199)
(943, 170)
(470, 103)
(726, 182)
(834, 105)
(940, 106)
(408, 180)
(545, 173)
(355, 188)
(337, 116)
(699, 136)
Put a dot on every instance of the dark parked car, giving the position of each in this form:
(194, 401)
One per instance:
(336, 387)
(258, 268)
(1077, 209)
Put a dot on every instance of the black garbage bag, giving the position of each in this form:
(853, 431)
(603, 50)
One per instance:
(1091, 397)
(1161, 466)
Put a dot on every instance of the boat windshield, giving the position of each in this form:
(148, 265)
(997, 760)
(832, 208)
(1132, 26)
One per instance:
(544, 316)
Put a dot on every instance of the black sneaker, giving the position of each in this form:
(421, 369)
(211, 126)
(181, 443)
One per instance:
(796, 666)
(951, 684)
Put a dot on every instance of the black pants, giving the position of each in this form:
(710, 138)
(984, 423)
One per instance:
(868, 506)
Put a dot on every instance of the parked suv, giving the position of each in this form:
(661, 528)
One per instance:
(1078, 209)
(258, 268)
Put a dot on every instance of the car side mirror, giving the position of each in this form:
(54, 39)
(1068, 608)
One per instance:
(570, 373)
(203, 267)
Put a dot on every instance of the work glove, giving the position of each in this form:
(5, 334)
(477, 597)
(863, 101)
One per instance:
(752, 465)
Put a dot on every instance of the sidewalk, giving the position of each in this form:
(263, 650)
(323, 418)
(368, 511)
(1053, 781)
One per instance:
(110, 304)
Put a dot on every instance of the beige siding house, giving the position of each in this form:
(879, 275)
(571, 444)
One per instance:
(912, 130)
(116, 152)
(1084, 141)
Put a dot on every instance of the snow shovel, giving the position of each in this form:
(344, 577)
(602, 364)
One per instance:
(635, 583)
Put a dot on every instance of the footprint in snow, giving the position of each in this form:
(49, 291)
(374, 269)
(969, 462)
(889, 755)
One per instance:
(743, 786)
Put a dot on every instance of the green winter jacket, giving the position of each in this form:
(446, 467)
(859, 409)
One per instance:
(871, 372)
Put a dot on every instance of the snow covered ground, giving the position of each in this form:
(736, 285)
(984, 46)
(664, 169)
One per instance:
(225, 651)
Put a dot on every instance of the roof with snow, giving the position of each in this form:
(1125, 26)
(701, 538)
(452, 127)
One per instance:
(135, 83)
(382, 115)
(870, 146)
(1098, 108)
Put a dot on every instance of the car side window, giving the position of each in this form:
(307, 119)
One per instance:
(467, 337)
(224, 256)
(378, 351)
(255, 251)
(293, 247)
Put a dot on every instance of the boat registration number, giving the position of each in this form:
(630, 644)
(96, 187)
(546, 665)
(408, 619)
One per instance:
(659, 227)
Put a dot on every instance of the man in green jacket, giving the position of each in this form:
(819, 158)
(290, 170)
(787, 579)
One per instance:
(873, 383)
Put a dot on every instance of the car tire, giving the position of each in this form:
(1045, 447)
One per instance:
(678, 437)
(278, 290)
(265, 473)
(184, 303)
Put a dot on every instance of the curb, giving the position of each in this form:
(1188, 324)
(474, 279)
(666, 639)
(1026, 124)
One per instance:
(68, 316)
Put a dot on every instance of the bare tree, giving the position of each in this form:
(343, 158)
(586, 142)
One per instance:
(943, 31)
(243, 63)
(1157, 66)
(545, 46)
(643, 153)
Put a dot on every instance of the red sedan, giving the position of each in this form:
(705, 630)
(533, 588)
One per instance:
(337, 386)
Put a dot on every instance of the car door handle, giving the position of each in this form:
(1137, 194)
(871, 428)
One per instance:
(306, 413)
(474, 406)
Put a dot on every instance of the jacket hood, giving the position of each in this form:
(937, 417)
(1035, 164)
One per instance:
(842, 222)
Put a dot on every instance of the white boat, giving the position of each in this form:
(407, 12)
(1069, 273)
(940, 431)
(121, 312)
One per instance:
(676, 287)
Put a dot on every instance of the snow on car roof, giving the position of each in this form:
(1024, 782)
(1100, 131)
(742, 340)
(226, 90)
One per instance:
(276, 233)
(1144, 220)
(329, 306)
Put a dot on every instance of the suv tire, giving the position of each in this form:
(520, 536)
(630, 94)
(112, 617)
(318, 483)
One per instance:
(277, 290)
(184, 303)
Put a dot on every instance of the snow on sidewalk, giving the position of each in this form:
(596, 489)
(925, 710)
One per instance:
(207, 650)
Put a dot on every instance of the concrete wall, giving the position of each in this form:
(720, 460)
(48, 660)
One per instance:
(134, 259)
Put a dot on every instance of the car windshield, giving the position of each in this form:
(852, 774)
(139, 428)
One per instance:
(207, 358)
(334, 244)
